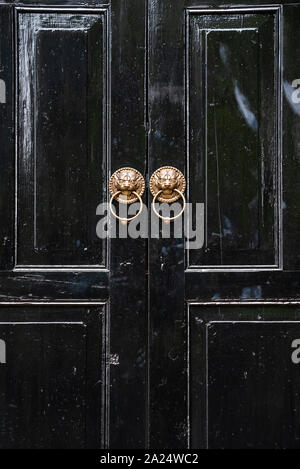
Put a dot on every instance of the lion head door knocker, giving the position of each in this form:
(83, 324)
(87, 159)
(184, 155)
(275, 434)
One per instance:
(126, 186)
(167, 185)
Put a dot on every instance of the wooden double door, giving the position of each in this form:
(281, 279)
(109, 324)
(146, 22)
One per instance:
(143, 343)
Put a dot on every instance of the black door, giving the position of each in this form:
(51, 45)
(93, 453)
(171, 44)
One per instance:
(151, 341)
(72, 107)
(224, 317)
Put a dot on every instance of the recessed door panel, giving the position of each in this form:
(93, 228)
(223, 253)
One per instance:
(245, 377)
(233, 116)
(62, 142)
(51, 378)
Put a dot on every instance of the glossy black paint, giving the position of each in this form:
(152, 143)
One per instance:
(167, 334)
(128, 267)
(137, 343)
(62, 73)
(71, 132)
(51, 386)
(247, 392)
(233, 83)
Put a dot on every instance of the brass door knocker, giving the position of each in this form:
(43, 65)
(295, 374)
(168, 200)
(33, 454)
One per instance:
(167, 185)
(126, 186)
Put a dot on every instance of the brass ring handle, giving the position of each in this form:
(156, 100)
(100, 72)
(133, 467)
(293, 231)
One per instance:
(169, 219)
(124, 221)
(126, 186)
(167, 184)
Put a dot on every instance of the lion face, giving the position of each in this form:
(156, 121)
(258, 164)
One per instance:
(126, 182)
(167, 180)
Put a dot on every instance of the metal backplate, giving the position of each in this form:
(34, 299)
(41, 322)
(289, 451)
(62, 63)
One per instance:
(126, 181)
(166, 179)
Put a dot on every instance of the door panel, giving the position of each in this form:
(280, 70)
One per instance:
(244, 376)
(51, 225)
(62, 148)
(291, 150)
(53, 380)
(233, 115)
